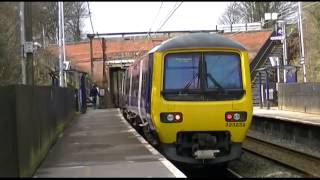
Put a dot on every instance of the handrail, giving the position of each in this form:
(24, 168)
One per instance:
(257, 61)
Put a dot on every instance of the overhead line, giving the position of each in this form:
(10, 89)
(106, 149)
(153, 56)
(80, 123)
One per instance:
(90, 17)
(169, 16)
(174, 6)
(156, 16)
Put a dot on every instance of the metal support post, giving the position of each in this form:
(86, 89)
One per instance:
(91, 55)
(260, 92)
(302, 44)
(63, 45)
(278, 73)
(29, 39)
(22, 40)
(60, 47)
(104, 61)
(267, 87)
(284, 52)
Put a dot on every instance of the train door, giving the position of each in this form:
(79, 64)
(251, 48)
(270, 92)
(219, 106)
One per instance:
(116, 74)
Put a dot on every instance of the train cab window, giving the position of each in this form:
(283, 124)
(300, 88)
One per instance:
(182, 71)
(222, 70)
(203, 76)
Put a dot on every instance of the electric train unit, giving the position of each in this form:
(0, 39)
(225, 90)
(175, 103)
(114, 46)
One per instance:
(190, 97)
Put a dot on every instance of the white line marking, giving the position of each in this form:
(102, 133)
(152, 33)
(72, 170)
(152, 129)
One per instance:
(234, 173)
(176, 172)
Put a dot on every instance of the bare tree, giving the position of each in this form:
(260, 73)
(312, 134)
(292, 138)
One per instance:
(46, 19)
(9, 43)
(232, 14)
(248, 12)
(75, 13)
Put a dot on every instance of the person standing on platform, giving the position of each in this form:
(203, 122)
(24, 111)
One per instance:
(94, 93)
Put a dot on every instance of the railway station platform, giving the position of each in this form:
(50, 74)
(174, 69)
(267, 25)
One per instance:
(101, 143)
(291, 116)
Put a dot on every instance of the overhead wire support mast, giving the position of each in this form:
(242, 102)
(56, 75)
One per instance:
(22, 40)
(28, 44)
(61, 79)
(63, 45)
(302, 44)
(91, 36)
(90, 17)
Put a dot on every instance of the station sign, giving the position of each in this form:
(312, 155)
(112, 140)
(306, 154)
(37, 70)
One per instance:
(28, 47)
(274, 61)
(276, 38)
(66, 65)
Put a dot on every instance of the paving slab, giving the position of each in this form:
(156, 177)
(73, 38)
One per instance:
(297, 117)
(101, 143)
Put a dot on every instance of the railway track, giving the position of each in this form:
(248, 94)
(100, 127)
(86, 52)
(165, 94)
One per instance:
(211, 171)
(305, 163)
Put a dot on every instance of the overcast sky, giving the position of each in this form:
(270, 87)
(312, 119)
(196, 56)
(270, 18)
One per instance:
(110, 17)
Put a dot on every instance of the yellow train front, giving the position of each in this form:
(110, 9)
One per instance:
(191, 98)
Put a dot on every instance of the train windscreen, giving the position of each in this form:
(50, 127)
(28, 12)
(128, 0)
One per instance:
(202, 76)
(182, 70)
(222, 70)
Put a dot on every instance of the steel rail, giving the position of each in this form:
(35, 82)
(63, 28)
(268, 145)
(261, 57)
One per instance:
(310, 165)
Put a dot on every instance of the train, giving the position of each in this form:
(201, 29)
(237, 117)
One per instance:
(190, 97)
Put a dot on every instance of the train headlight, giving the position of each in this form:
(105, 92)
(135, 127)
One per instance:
(177, 117)
(236, 116)
(172, 117)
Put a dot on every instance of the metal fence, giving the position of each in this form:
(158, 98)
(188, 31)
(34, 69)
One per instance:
(257, 26)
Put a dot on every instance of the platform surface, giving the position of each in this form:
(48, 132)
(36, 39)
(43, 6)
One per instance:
(102, 144)
(297, 117)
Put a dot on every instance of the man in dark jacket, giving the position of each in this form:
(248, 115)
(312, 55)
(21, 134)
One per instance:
(94, 93)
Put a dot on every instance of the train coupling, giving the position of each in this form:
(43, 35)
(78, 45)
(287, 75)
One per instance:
(143, 124)
(206, 154)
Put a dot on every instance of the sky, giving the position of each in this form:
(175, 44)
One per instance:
(111, 17)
